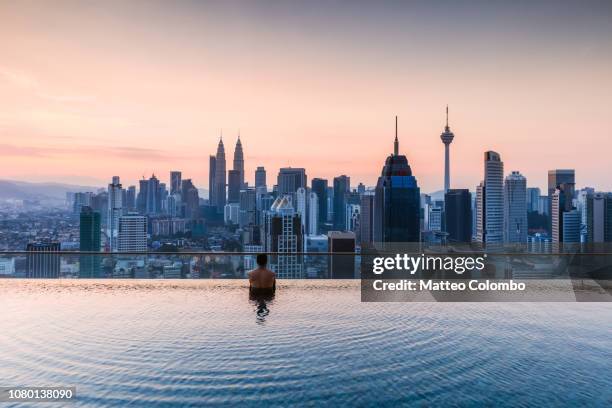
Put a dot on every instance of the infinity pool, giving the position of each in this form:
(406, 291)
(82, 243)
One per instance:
(194, 343)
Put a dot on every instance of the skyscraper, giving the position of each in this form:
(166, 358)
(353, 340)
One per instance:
(190, 199)
(599, 217)
(312, 227)
(447, 137)
(89, 241)
(130, 199)
(153, 200)
(290, 179)
(282, 232)
(533, 199)
(175, 182)
(515, 208)
(555, 179)
(458, 215)
(260, 177)
(132, 236)
(397, 201)
(239, 163)
(233, 186)
(341, 266)
(115, 210)
(342, 186)
(366, 223)
(490, 201)
(212, 165)
(220, 178)
(319, 187)
(561, 203)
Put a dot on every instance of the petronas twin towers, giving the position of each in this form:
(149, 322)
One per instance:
(218, 174)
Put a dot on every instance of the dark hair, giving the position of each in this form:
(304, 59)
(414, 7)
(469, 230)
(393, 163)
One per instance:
(262, 259)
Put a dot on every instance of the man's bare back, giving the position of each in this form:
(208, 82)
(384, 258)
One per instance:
(262, 278)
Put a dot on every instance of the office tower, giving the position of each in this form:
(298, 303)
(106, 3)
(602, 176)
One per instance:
(90, 240)
(361, 188)
(447, 137)
(561, 203)
(301, 205)
(260, 177)
(555, 179)
(490, 201)
(397, 201)
(330, 204)
(175, 182)
(41, 262)
(533, 199)
(366, 222)
(458, 215)
(231, 213)
(132, 235)
(312, 227)
(239, 163)
(282, 232)
(212, 164)
(598, 217)
(173, 205)
(220, 178)
(571, 226)
(115, 210)
(233, 186)
(190, 199)
(515, 208)
(264, 203)
(434, 218)
(130, 199)
(153, 203)
(319, 187)
(342, 186)
(80, 200)
(248, 207)
(141, 199)
(341, 266)
(290, 179)
(353, 218)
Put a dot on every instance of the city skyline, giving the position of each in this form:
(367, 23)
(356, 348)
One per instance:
(152, 94)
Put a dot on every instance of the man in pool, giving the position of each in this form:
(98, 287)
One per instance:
(262, 279)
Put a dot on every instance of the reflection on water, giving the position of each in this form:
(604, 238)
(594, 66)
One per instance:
(193, 343)
(261, 298)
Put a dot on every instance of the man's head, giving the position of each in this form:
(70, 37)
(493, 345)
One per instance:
(262, 260)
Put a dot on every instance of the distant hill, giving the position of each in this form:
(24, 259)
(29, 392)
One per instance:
(21, 190)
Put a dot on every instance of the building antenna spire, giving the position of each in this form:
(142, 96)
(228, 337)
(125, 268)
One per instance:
(446, 116)
(396, 142)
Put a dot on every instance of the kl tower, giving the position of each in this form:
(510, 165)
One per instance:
(447, 137)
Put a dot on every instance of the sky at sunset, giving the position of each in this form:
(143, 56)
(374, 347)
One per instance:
(89, 89)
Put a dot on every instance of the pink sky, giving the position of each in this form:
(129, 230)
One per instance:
(90, 91)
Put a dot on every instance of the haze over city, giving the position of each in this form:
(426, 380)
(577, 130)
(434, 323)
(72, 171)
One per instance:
(133, 88)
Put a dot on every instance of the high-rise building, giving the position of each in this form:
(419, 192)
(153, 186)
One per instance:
(175, 182)
(397, 201)
(190, 199)
(342, 186)
(319, 187)
(260, 178)
(239, 163)
(130, 199)
(458, 215)
(90, 240)
(312, 227)
(555, 179)
(233, 186)
(248, 207)
(366, 222)
(41, 261)
(282, 232)
(571, 226)
(447, 137)
(115, 210)
(599, 217)
(220, 178)
(153, 203)
(515, 208)
(290, 179)
(132, 235)
(212, 165)
(141, 199)
(301, 205)
(561, 203)
(341, 266)
(490, 201)
(533, 199)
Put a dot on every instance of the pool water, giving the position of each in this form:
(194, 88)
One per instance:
(202, 343)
